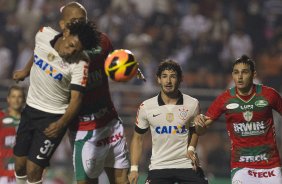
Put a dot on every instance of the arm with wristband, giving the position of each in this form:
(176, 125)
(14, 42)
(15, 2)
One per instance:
(136, 151)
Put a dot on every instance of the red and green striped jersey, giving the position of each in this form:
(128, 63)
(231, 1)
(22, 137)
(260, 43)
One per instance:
(97, 108)
(8, 126)
(250, 126)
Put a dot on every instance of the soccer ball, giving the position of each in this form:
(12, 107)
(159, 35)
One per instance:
(121, 65)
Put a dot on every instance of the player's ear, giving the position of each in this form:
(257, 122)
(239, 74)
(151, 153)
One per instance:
(255, 74)
(66, 32)
(159, 80)
(62, 24)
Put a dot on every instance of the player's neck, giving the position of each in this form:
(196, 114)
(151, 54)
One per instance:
(14, 113)
(246, 91)
(170, 98)
(57, 44)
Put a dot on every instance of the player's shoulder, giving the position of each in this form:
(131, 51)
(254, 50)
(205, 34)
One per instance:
(105, 42)
(268, 90)
(151, 102)
(189, 98)
(48, 30)
(45, 34)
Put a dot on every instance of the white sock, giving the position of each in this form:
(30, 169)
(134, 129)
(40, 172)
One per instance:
(20, 179)
(37, 182)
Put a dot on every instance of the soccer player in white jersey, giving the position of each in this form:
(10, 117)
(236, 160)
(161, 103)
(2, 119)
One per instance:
(97, 136)
(57, 80)
(169, 115)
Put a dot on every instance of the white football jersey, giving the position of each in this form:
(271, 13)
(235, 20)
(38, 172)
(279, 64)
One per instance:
(169, 125)
(51, 79)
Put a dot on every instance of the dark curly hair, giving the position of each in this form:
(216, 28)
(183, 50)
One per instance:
(169, 64)
(87, 33)
(245, 60)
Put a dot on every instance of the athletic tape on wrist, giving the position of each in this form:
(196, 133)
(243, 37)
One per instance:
(191, 148)
(134, 168)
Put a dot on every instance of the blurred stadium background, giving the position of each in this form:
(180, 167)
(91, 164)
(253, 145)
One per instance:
(204, 36)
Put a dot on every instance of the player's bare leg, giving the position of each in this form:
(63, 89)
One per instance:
(117, 176)
(34, 172)
(20, 169)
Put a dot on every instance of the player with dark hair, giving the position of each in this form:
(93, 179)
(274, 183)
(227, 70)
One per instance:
(97, 134)
(250, 125)
(169, 115)
(58, 78)
(9, 121)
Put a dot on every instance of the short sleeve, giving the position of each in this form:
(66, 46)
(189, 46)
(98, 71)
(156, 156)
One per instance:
(79, 76)
(275, 100)
(217, 107)
(141, 118)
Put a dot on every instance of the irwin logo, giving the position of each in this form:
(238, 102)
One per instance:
(45, 67)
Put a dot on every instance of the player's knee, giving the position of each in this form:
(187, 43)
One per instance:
(34, 173)
(20, 166)
(20, 171)
(122, 178)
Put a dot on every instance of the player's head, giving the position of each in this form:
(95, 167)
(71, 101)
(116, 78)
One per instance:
(243, 72)
(78, 36)
(169, 76)
(71, 12)
(16, 98)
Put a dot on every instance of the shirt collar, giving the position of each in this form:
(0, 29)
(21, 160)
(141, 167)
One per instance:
(179, 101)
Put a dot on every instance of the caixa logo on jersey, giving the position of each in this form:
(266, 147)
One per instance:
(171, 129)
(48, 69)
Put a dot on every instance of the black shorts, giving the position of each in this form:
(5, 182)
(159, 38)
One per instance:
(180, 176)
(30, 139)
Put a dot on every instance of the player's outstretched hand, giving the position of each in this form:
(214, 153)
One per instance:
(200, 120)
(20, 75)
(133, 177)
(53, 130)
(194, 157)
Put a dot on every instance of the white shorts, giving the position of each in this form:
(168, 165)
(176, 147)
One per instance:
(7, 180)
(99, 148)
(256, 176)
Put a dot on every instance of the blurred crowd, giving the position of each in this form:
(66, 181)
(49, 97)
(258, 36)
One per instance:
(204, 36)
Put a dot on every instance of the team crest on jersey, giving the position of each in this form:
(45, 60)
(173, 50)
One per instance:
(63, 64)
(50, 57)
(248, 115)
(183, 113)
(169, 117)
(90, 164)
(261, 103)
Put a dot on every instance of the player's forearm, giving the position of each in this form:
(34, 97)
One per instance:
(136, 148)
(200, 130)
(73, 108)
(194, 139)
(28, 65)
